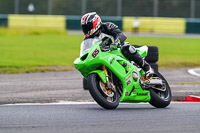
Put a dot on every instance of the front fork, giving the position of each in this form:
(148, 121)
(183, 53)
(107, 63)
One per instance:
(107, 77)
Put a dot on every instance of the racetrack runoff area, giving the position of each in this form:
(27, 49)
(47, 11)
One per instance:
(53, 87)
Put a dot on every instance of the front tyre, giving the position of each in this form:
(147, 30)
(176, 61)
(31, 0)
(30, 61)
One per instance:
(160, 99)
(107, 99)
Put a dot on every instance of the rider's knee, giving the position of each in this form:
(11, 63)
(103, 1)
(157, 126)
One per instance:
(128, 49)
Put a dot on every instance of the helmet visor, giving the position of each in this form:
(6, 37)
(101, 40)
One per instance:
(87, 28)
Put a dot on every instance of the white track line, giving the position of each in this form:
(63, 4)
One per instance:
(194, 96)
(193, 72)
(76, 103)
(59, 103)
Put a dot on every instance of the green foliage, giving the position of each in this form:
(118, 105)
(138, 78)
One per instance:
(40, 6)
(102, 7)
(6, 6)
(166, 8)
(67, 7)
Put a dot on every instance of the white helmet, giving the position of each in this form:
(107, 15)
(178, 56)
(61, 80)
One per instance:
(90, 23)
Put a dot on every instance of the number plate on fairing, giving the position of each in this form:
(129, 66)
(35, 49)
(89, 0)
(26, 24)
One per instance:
(95, 53)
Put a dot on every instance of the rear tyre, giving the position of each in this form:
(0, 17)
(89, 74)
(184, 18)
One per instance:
(152, 55)
(154, 66)
(160, 99)
(97, 91)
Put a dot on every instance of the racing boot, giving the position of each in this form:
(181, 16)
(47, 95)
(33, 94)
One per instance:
(147, 69)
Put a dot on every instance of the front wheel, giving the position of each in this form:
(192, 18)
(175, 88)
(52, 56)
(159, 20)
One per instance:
(160, 94)
(107, 99)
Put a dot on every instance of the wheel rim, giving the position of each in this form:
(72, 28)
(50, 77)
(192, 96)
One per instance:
(108, 95)
(163, 94)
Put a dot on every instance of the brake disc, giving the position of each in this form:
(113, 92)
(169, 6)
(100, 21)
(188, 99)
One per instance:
(107, 92)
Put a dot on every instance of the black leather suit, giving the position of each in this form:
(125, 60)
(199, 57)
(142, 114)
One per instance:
(111, 30)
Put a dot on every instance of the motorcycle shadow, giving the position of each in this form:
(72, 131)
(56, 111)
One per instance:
(130, 107)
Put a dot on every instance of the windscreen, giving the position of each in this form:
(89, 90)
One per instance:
(87, 44)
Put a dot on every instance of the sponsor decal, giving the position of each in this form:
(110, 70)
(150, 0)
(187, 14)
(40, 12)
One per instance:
(112, 60)
(95, 53)
(128, 83)
(128, 78)
(126, 94)
(136, 69)
(142, 94)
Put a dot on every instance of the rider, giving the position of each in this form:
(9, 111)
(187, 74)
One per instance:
(93, 28)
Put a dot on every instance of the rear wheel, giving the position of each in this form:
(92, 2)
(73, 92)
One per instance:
(152, 55)
(107, 99)
(154, 66)
(160, 94)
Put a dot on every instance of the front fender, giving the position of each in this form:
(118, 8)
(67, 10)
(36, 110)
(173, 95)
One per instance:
(101, 74)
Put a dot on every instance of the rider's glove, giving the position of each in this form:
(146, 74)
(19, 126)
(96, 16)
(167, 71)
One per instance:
(117, 41)
(115, 45)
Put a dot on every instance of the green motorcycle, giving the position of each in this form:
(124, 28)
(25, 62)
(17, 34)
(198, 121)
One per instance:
(112, 78)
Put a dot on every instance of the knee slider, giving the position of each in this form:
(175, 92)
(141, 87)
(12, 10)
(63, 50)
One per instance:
(132, 49)
(128, 51)
(129, 48)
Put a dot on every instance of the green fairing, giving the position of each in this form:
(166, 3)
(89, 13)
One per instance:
(114, 61)
(101, 74)
(142, 51)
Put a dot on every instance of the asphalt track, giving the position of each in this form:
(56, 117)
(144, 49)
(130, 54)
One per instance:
(90, 118)
(67, 86)
(79, 117)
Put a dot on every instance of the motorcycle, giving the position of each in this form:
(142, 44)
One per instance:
(112, 78)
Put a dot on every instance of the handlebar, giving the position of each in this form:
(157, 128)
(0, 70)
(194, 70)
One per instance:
(108, 48)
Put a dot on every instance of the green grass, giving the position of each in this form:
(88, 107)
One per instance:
(57, 51)
(31, 50)
(173, 52)
(39, 50)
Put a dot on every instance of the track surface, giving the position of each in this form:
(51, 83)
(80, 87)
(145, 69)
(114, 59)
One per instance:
(90, 118)
(67, 86)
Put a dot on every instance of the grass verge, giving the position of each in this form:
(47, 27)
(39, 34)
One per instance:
(36, 69)
(55, 51)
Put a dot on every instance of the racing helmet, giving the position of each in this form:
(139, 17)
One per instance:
(90, 23)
